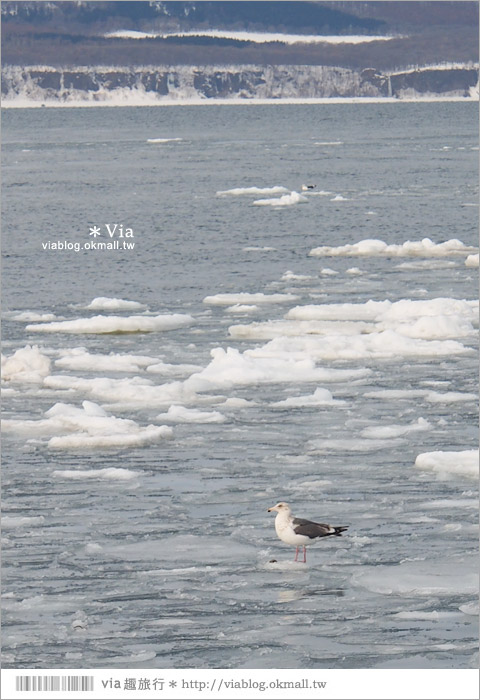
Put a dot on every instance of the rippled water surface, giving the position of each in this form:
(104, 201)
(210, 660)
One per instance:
(129, 545)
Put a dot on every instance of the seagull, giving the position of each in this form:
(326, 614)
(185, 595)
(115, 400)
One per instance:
(308, 187)
(300, 532)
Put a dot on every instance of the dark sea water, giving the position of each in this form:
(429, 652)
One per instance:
(167, 563)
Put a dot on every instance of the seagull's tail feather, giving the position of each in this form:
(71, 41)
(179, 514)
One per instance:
(339, 530)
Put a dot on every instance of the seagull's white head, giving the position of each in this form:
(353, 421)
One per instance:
(281, 507)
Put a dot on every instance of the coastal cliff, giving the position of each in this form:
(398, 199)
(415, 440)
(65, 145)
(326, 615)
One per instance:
(166, 83)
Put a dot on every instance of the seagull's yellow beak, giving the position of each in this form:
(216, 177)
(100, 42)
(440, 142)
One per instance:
(272, 508)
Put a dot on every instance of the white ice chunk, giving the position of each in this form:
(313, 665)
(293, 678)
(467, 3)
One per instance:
(471, 608)
(386, 344)
(180, 414)
(107, 474)
(289, 276)
(450, 397)
(115, 324)
(86, 427)
(388, 431)
(242, 308)
(113, 304)
(164, 140)
(144, 436)
(390, 314)
(320, 397)
(231, 368)
(417, 615)
(369, 311)
(240, 191)
(324, 446)
(10, 522)
(32, 317)
(287, 200)
(227, 299)
(26, 365)
(79, 359)
(131, 391)
(374, 247)
(272, 329)
(472, 260)
(463, 463)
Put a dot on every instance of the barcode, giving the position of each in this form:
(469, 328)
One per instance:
(53, 683)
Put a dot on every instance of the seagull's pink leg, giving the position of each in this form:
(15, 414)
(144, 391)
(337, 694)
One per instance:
(304, 554)
(296, 554)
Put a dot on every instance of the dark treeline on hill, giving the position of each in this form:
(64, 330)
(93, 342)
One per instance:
(66, 34)
(76, 50)
(259, 14)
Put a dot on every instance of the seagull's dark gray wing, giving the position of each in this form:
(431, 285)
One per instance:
(313, 530)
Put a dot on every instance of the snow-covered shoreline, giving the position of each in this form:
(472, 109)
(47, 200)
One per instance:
(233, 102)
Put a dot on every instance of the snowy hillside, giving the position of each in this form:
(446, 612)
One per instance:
(142, 52)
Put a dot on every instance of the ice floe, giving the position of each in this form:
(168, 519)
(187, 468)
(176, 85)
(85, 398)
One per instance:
(393, 431)
(113, 304)
(131, 392)
(188, 548)
(240, 191)
(242, 308)
(471, 608)
(326, 446)
(79, 359)
(378, 323)
(375, 247)
(227, 368)
(381, 345)
(287, 200)
(26, 365)
(320, 397)
(115, 324)
(472, 260)
(428, 395)
(31, 317)
(450, 397)
(462, 463)
(10, 522)
(248, 298)
(383, 311)
(230, 368)
(164, 140)
(290, 276)
(180, 414)
(328, 143)
(417, 615)
(268, 330)
(432, 577)
(106, 474)
(68, 426)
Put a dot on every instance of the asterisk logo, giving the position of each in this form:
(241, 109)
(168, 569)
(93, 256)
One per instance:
(95, 231)
(173, 684)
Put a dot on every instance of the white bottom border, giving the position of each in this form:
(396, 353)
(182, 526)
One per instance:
(227, 684)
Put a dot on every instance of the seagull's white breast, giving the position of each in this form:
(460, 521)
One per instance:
(285, 531)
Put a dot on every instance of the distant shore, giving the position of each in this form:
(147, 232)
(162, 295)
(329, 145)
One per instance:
(19, 103)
